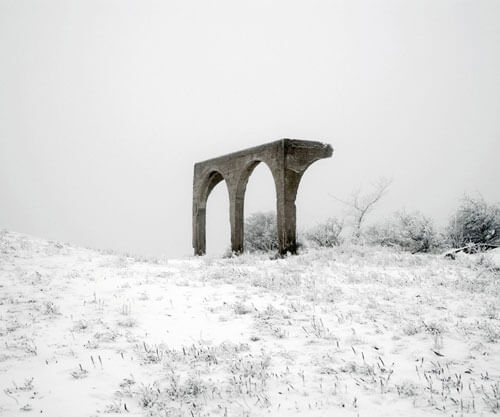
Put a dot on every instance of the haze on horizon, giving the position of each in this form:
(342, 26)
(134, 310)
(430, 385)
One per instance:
(106, 106)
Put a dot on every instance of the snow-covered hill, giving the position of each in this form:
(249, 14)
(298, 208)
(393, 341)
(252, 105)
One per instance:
(348, 331)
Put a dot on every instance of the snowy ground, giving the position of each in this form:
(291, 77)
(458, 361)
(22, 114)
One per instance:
(351, 331)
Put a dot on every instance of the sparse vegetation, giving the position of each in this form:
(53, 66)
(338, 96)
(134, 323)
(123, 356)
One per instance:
(51, 309)
(240, 308)
(261, 232)
(127, 322)
(409, 231)
(326, 234)
(361, 205)
(337, 330)
(475, 221)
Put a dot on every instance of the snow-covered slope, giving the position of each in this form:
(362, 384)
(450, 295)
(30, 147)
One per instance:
(349, 331)
(494, 256)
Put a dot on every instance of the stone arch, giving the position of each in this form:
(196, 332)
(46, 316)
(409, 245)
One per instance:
(211, 179)
(238, 211)
(286, 158)
(207, 184)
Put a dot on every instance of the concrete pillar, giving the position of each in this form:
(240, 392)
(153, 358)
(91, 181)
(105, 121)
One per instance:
(236, 216)
(286, 211)
(199, 227)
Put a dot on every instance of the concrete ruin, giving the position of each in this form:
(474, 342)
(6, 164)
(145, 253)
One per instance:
(286, 158)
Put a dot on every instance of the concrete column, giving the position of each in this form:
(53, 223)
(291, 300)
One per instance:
(199, 236)
(287, 212)
(236, 213)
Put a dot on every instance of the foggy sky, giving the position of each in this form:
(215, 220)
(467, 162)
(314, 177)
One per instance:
(106, 105)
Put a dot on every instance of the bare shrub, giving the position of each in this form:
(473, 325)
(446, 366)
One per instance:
(410, 231)
(475, 221)
(360, 205)
(326, 234)
(261, 232)
(241, 309)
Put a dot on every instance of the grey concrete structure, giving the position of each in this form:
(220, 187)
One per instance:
(286, 158)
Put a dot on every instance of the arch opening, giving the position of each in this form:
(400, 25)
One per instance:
(260, 198)
(212, 179)
(203, 191)
(218, 231)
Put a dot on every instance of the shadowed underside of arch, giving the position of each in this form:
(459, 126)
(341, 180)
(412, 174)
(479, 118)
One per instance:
(286, 158)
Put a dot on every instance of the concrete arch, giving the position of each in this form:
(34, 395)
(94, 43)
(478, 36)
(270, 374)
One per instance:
(208, 182)
(287, 160)
(237, 222)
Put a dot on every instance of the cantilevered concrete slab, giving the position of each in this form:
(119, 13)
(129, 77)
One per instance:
(286, 158)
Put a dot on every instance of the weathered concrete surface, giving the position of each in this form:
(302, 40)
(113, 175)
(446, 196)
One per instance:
(286, 158)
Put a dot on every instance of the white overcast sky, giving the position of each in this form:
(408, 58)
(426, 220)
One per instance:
(106, 105)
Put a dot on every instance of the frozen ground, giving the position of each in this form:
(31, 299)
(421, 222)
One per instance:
(351, 331)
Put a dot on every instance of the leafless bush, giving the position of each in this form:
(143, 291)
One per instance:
(326, 234)
(261, 232)
(360, 205)
(475, 221)
(410, 231)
